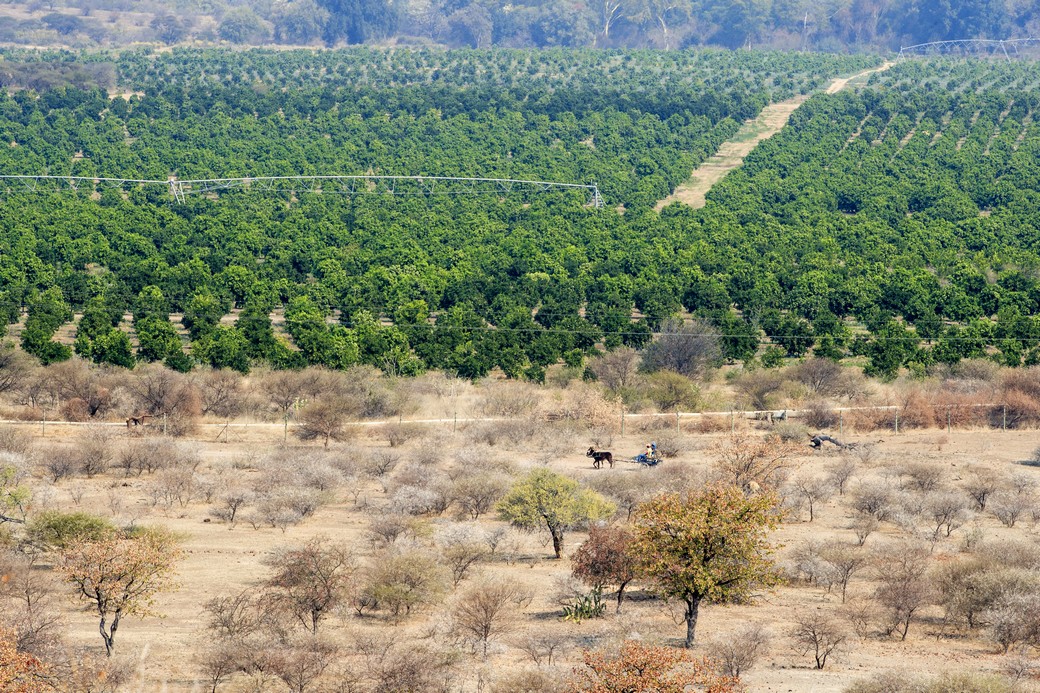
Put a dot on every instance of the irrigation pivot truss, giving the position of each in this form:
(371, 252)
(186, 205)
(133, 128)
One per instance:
(971, 44)
(335, 185)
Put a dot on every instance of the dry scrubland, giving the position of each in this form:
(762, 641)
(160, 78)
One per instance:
(913, 552)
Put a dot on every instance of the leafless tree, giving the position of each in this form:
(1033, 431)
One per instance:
(818, 634)
(1009, 506)
(690, 349)
(1016, 621)
(947, 509)
(616, 369)
(476, 494)
(903, 587)
(220, 392)
(542, 646)
(813, 490)
(461, 546)
(14, 366)
(747, 463)
(841, 472)
(737, 653)
(821, 376)
(310, 580)
(842, 562)
(627, 490)
(981, 484)
(29, 606)
(487, 611)
(874, 498)
(301, 662)
(864, 526)
(229, 503)
(326, 420)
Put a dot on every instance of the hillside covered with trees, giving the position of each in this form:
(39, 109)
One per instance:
(828, 25)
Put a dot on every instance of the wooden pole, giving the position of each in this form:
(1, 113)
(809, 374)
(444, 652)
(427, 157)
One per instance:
(948, 425)
(677, 422)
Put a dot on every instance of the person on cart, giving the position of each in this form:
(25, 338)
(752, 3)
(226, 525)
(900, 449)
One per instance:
(649, 456)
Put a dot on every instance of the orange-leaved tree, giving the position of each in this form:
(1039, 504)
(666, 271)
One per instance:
(606, 558)
(20, 672)
(120, 573)
(639, 667)
(706, 545)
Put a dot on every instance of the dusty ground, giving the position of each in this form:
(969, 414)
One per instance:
(732, 152)
(220, 560)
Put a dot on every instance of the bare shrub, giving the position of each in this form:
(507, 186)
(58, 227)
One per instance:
(903, 588)
(968, 589)
(813, 490)
(863, 527)
(493, 433)
(486, 611)
(762, 462)
(916, 410)
(758, 389)
(529, 681)
(94, 452)
(173, 486)
(161, 392)
(220, 393)
(392, 665)
(327, 419)
(378, 463)
(819, 415)
(791, 432)
(417, 500)
(628, 491)
(16, 441)
(1016, 621)
(711, 424)
(841, 561)
(229, 503)
(740, 651)
(311, 579)
(921, 476)
(461, 547)
(860, 614)
(841, 472)
(508, 399)
(398, 434)
(807, 564)
(819, 635)
(477, 494)
(947, 510)
(874, 498)
(980, 485)
(60, 463)
(616, 369)
(386, 529)
(1008, 507)
(671, 444)
(691, 349)
(543, 645)
(146, 456)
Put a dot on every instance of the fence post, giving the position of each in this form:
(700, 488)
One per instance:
(732, 423)
(948, 420)
(1003, 424)
(677, 422)
(897, 421)
(455, 421)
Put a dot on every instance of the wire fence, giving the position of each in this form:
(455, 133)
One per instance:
(897, 418)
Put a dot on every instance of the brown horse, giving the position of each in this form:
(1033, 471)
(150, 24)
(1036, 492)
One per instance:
(599, 457)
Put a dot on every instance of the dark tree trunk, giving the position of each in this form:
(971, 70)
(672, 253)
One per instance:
(693, 605)
(557, 537)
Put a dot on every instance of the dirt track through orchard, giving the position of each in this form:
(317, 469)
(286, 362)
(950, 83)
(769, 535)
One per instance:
(732, 152)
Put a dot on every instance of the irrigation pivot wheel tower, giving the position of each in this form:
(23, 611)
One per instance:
(426, 186)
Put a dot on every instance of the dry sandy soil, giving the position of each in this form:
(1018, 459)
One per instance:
(220, 560)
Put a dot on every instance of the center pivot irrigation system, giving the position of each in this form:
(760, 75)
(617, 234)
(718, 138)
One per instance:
(334, 185)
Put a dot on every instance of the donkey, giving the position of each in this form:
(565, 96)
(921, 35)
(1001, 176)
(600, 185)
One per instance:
(599, 457)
